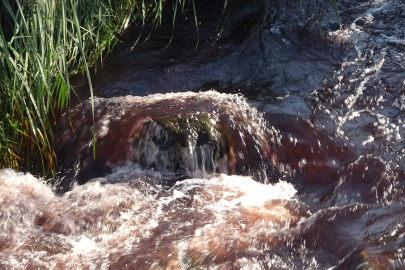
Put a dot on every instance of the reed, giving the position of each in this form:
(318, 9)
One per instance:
(43, 43)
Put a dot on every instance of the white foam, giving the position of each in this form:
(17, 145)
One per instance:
(100, 223)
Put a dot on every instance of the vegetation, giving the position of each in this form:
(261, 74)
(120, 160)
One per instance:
(42, 43)
(319, 15)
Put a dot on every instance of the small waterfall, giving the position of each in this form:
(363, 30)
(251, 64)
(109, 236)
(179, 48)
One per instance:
(187, 146)
(181, 135)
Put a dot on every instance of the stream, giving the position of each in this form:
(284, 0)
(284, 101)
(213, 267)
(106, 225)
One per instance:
(267, 148)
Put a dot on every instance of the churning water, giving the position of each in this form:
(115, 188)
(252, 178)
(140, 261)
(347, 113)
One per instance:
(313, 178)
(324, 207)
(223, 222)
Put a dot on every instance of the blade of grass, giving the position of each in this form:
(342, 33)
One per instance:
(335, 8)
(83, 56)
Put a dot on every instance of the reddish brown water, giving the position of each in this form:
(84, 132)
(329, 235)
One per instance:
(135, 225)
(311, 179)
(279, 195)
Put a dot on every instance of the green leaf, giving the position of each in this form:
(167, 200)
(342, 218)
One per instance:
(50, 19)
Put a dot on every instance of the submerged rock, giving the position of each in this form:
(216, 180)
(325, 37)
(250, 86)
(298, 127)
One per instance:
(191, 147)
(181, 135)
(187, 131)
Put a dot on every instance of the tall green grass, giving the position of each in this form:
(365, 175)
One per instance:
(43, 43)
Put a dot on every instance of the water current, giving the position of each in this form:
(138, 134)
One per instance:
(295, 161)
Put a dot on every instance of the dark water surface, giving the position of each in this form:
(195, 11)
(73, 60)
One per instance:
(294, 161)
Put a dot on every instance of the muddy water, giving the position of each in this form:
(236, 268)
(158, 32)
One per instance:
(307, 173)
(300, 200)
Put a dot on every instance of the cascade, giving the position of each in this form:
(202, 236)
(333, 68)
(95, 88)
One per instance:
(180, 135)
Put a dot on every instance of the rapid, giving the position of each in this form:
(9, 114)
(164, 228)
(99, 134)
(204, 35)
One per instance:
(261, 150)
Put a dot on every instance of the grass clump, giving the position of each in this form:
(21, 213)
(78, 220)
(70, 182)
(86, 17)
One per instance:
(43, 43)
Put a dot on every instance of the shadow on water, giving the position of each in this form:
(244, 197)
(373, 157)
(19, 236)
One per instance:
(284, 55)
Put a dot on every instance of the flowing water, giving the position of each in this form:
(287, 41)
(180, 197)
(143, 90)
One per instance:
(171, 193)
(304, 169)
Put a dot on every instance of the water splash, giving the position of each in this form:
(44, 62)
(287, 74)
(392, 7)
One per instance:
(134, 224)
(182, 134)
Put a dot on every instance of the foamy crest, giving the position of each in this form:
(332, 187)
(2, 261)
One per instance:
(125, 221)
(186, 134)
